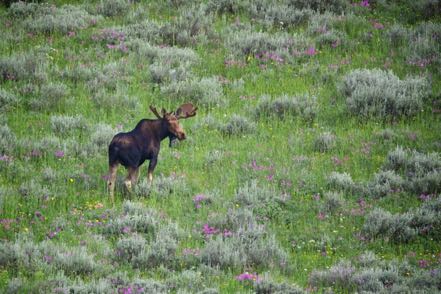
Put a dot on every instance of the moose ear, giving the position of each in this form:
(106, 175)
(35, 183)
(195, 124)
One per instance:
(155, 112)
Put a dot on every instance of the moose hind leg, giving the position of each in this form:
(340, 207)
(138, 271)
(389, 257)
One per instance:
(152, 166)
(131, 178)
(111, 181)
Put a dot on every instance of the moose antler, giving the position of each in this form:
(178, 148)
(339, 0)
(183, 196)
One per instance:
(155, 112)
(185, 111)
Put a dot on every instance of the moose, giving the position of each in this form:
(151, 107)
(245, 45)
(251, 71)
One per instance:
(143, 143)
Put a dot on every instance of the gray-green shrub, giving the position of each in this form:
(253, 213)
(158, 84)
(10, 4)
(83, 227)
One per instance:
(29, 66)
(63, 19)
(384, 183)
(324, 142)
(206, 91)
(301, 106)
(7, 100)
(64, 125)
(378, 93)
(112, 7)
(8, 140)
(49, 96)
(237, 125)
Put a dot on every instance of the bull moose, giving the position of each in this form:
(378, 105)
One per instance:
(143, 143)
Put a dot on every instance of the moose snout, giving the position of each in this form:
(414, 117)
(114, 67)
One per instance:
(181, 136)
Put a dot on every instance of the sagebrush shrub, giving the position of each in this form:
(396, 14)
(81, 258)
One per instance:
(206, 91)
(338, 275)
(301, 106)
(30, 66)
(397, 34)
(50, 96)
(382, 94)
(421, 171)
(64, 125)
(332, 202)
(342, 182)
(104, 99)
(129, 247)
(337, 6)
(75, 261)
(376, 276)
(7, 100)
(264, 286)
(162, 186)
(281, 15)
(22, 9)
(188, 281)
(238, 125)
(382, 224)
(63, 19)
(8, 140)
(112, 7)
(324, 142)
(136, 219)
(247, 43)
(384, 183)
(161, 252)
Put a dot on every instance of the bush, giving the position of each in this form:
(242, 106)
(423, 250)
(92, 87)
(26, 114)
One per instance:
(105, 100)
(206, 92)
(8, 140)
(129, 247)
(337, 6)
(64, 19)
(324, 142)
(421, 171)
(382, 224)
(342, 182)
(238, 125)
(31, 66)
(338, 276)
(382, 94)
(113, 7)
(136, 219)
(7, 100)
(332, 202)
(161, 252)
(162, 186)
(384, 183)
(397, 34)
(50, 96)
(302, 106)
(75, 262)
(265, 286)
(246, 43)
(281, 15)
(65, 125)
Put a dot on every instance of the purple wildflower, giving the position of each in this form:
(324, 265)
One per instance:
(59, 153)
(364, 3)
(311, 51)
(227, 233)
(422, 263)
(247, 277)
(425, 197)
(5, 158)
(207, 230)
(125, 230)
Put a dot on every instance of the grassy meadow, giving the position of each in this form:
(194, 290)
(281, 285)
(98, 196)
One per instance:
(312, 165)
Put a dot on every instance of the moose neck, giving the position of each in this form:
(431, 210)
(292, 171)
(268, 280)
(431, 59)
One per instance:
(161, 128)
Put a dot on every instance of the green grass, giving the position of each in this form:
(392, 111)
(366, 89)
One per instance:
(283, 147)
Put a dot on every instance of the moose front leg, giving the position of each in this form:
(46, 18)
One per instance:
(152, 166)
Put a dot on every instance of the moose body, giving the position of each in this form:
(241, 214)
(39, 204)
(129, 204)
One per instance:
(132, 149)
